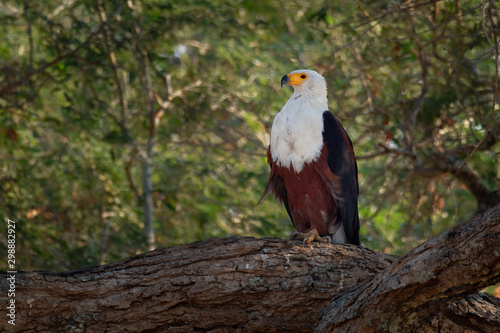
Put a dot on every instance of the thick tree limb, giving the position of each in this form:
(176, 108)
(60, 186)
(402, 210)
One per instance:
(256, 284)
(476, 313)
(247, 284)
(419, 286)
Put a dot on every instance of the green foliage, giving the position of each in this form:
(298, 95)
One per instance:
(409, 83)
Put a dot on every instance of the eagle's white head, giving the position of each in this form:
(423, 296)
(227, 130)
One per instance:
(307, 84)
(297, 132)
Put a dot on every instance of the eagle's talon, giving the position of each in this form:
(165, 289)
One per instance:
(309, 237)
(308, 240)
(293, 235)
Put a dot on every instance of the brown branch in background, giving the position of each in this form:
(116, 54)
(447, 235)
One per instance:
(114, 66)
(448, 162)
(128, 167)
(145, 76)
(105, 231)
(410, 123)
(386, 150)
(362, 76)
(435, 51)
(496, 44)
(147, 155)
(96, 99)
(60, 8)
(165, 104)
(488, 9)
(30, 35)
(9, 86)
(451, 162)
(443, 163)
(490, 138)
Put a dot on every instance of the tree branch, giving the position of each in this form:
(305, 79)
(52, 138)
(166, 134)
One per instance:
(120, 89)
(258, 284)
(420, 285)
(446, 163)
(252, 284)
(9, 86)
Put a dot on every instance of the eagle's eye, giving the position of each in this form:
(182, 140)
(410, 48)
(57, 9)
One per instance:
(303, 76)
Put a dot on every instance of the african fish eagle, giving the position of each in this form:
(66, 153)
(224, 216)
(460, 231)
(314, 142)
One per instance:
(313, 167)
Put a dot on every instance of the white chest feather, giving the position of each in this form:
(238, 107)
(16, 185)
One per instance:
(297, 134)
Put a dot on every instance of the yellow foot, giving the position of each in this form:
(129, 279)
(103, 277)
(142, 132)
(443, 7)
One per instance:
(310, 236)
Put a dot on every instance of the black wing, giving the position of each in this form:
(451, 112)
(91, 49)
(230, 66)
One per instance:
(342, 163)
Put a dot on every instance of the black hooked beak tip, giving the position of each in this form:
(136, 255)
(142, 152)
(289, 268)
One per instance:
(284, 80)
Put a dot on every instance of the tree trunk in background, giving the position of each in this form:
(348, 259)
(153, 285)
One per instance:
(148, 199)
(247, 284)
(147, 163)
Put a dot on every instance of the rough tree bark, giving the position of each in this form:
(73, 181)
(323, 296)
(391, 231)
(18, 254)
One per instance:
(273, 285)
(417, 286)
